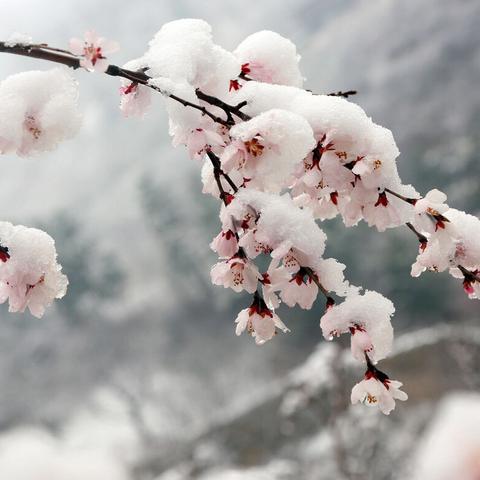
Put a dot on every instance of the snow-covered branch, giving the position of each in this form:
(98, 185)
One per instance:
(279, 157)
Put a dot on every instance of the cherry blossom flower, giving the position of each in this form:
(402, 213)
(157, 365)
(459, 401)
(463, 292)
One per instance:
(267, 148)
(30, 276)
(93, 49)
(252, 246)
(429, 212)
(375, 393)
(134, 99)
(367, 318)
(301, 289)
(259, 321)
(237, 273)
(225, 244)
(37, 111)
(200, 140)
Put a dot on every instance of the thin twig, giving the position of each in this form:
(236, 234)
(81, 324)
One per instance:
(228, 109)
(314, 277)
(346, 94)
(411, 201)
(421, 238)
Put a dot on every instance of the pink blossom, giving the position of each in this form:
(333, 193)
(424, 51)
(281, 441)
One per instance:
(225, 244)
(429, 212)
(367, 318)
(259, 321)
(301, 290)
(134, 99)
(252, 246)
(202, 139)
(373, 392)
(30, 276)
(93, 49)
(237, 273)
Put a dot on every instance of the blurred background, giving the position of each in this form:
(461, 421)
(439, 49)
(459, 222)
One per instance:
(137, 374)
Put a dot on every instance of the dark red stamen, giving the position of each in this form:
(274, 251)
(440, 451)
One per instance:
(234, 85)
(382, 199)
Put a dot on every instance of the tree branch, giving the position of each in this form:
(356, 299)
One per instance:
(228, 109)
(64, 57)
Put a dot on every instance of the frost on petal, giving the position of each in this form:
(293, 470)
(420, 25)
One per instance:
(31, 277)
(37, 111)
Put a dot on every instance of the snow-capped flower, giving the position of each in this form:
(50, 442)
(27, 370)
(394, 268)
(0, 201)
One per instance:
(367, 318)
(279, 225)
(259, 321)
(268, 57)
(29, 273)
(93, 49)
(237, 273)
(37, 111)
(267, 148)
(225, 244)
